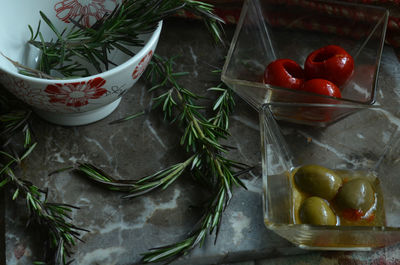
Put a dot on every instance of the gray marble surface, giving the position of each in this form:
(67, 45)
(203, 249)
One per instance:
(120, 230)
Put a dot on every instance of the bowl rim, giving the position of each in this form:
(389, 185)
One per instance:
(382, 228)
(152, 40)
(320, 105)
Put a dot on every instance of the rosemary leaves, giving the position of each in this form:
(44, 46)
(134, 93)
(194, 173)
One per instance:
(119, 30)
(206, 156)
(53, 218)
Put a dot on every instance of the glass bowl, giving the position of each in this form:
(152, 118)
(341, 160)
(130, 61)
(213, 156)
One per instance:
(367, 141)
(275, 29)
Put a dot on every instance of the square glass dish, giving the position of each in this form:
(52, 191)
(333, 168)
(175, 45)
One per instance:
(291, 29)
(352, 147)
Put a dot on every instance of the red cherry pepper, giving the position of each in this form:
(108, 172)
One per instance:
(356, 215)
(284, 73)
(353, 214)
(322, 87)
(331, 62)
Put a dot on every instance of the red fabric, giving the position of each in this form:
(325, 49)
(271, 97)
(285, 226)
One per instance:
(229, 11)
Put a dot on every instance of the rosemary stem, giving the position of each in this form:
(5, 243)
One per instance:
(197, 126)
(180, 168)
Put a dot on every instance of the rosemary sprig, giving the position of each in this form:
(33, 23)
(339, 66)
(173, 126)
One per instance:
(208, 223)
(129, 117)
(118, 30)
(162, 179)
(200, 138)
(52, 217)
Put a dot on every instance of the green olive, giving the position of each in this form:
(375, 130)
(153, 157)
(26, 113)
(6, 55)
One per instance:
(318, 181)
(356, 194)
(316, 211)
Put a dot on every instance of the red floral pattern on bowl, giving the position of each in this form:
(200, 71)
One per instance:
(139, 69)
(23, 91)
(76, 94)
(89, 10)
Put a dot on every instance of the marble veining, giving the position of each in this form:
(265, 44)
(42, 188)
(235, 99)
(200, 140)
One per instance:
(63, 180)
(155, 134)
(56, 157)
(393, 119)
(103, 255)
(120, 230)
(240, 224)
(74, 159)
(194, 56)
(246, 121)
(151, 207)
(100, 146)
(359, 135)
(326, 146)
(362, 91)
(253, 184)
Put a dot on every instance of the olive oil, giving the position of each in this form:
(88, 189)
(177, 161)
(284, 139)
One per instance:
(374, 216)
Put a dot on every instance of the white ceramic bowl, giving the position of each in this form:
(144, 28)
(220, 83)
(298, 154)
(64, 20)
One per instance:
(73, 101)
